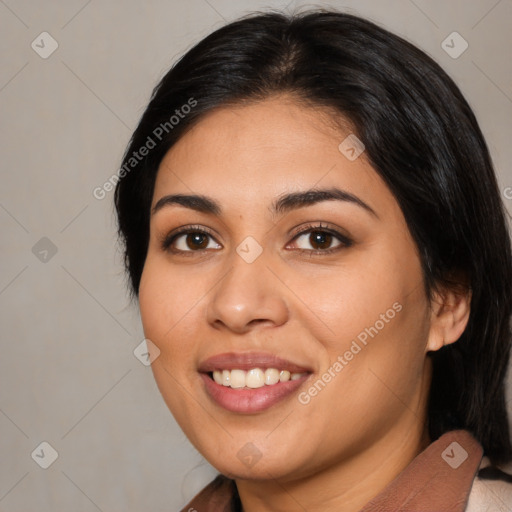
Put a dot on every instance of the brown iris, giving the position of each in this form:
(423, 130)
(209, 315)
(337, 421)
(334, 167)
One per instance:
(196, 241)
(321, 239)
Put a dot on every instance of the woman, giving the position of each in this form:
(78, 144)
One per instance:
(314, 233)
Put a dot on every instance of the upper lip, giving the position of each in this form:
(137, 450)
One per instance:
(248, 361)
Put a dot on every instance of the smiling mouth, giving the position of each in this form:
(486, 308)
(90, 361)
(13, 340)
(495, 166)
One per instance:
(251, 382)
(254, 378)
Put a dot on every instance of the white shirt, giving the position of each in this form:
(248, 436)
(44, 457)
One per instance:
(489, 495)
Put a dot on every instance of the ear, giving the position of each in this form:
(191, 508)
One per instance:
(450, 308)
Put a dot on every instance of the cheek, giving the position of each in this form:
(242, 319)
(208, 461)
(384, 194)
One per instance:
(354, 297)
(169, 301)
(375, 318)
(167, 305)
(380, 355)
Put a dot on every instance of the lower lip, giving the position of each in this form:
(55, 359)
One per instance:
(250, 400)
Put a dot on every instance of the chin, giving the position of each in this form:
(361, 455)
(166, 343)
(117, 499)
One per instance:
(245, 460)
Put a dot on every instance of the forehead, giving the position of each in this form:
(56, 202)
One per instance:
(251, 153)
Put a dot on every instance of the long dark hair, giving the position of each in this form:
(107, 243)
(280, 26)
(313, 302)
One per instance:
(421, 137)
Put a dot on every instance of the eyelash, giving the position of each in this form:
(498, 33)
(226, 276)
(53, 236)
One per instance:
(345, 242)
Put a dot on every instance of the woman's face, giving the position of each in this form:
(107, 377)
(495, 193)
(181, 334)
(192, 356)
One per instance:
(267, 278)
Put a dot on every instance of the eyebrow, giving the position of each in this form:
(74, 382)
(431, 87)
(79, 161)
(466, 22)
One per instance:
(282, 204)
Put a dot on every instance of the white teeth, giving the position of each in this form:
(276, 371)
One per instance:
(271, 376)
(254, 378)
(237, 378)
(284, 376)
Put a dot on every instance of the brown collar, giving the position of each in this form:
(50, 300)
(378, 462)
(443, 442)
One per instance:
(439, 478)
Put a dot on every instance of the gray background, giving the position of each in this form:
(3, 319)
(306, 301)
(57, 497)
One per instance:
(68, 373)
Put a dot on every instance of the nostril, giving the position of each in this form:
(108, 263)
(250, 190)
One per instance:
(258, 321)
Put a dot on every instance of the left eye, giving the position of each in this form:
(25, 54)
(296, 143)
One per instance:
(318, 240)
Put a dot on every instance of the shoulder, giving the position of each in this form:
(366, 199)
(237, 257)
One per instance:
(490, 494)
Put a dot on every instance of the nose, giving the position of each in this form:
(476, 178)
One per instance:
(248, 295)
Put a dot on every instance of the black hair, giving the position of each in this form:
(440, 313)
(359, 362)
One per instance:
(421, 137)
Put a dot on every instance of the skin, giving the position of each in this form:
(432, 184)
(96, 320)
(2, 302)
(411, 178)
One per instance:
(356, 435)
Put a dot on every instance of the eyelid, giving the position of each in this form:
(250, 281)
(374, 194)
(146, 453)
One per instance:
(317, 226)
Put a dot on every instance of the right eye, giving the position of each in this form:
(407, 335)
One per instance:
(190, 240)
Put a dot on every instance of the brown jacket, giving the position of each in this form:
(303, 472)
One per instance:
(438, 479)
